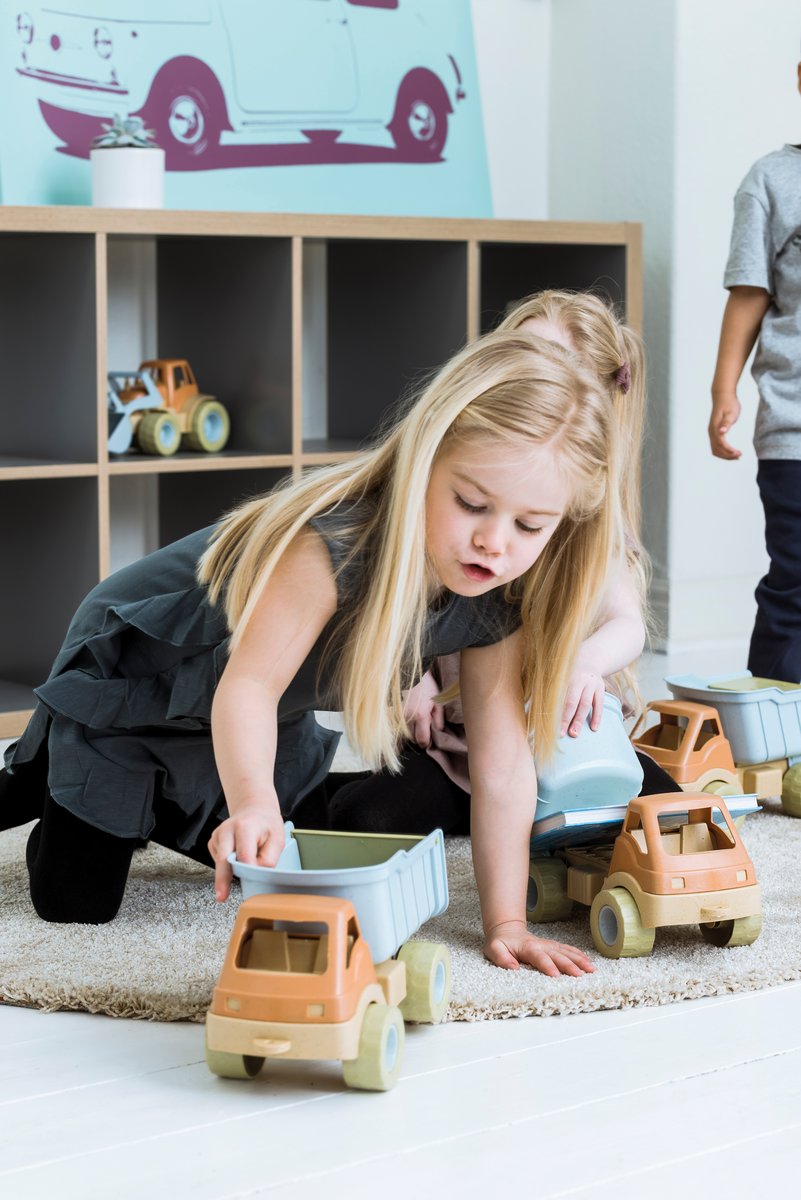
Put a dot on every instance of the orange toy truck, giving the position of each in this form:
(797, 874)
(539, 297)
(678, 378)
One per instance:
(299, 982)
(161, 407)
(679, 860)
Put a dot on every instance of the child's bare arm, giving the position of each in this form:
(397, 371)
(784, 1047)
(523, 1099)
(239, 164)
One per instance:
(616, 643)
(504, 795)
(742, 319)
(294, 608)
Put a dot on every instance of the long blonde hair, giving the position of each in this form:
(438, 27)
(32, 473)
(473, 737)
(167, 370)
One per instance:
(506, 386)
(613, 351)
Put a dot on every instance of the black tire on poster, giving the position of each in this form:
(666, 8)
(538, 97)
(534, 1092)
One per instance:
(186, 108)
(419, 124)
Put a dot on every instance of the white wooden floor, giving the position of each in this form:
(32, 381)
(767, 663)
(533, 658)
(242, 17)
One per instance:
(697, 1099)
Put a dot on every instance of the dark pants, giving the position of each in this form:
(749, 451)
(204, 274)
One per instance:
(775, 651)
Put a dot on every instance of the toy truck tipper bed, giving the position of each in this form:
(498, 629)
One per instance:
(317, 966)
(761, 718)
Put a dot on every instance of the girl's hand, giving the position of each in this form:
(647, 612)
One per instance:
(255, 832)
(421, 712)
(511, 945)
(585, 694)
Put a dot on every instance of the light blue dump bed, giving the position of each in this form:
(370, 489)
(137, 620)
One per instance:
(595, 769)
(761, 723)
(395, 883)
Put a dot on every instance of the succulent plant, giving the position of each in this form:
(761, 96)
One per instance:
(125, 131)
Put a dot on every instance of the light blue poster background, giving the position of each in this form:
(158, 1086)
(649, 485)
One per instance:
(357, 106)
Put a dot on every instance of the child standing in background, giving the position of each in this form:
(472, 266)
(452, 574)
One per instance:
(181, 707)
(763, 275)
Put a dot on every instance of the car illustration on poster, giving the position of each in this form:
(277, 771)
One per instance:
(211, 76)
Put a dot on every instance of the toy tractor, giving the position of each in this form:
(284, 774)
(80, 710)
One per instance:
(299, 982)
(678, 860)
(161, 408)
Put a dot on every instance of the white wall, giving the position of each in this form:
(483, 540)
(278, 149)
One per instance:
(736, 99)
(657, 110)
(512, 39)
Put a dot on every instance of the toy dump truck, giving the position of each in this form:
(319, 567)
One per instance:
(160, 408)
(761, 719)
(678, 860)
(318, 965)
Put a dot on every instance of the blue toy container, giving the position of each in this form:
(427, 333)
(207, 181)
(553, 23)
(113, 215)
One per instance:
(395, 883)
(594, 770)
(761, 723)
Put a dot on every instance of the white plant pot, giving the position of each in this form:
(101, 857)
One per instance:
(128, 177)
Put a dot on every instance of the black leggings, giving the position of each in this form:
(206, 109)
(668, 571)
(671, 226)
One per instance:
(422, 797)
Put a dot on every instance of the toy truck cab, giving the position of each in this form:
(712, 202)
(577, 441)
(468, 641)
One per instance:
(298, 981)
(689, 743)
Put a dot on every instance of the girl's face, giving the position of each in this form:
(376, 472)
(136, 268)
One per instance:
(490, 512)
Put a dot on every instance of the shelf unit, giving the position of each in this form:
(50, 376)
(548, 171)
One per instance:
(309, 328)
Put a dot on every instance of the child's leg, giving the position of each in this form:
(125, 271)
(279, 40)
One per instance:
(419, 799)
(77, 872)
(22, 795)
(776, 640)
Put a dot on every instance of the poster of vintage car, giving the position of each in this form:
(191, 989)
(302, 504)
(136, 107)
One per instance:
(360, 106)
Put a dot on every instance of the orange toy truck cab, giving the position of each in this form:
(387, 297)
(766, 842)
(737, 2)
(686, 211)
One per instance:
(298, 982)
(688, 742)
(674, 864)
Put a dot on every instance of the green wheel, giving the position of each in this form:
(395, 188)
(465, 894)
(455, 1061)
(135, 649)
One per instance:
(791, 791)
(428, 981)
(547, 898)
(158, 433)
(617, 930)
(209, 427)
(233, 1066)
(719, 787)
(740, 931)
(380, 1050)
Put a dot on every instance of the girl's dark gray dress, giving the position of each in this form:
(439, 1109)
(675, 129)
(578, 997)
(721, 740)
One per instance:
(126, 711)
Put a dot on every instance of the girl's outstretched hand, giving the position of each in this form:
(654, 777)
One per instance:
(256, 833)
(511, 945)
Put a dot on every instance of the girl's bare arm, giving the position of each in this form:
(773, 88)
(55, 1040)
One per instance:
(504, 796)
(294, 608)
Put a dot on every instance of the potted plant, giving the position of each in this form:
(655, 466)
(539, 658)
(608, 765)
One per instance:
(127, 166)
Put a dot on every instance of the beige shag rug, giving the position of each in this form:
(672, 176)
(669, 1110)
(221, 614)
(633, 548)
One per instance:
(160, 958)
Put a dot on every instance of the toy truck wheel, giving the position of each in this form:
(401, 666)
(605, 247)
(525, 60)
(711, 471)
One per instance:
(233, 1066)
(428, 981)
(719, 787)
(380, 1050)
(158, 433)
(791, 791)
(209, 427)
(617, 930)
(547, 898)
(740, 931)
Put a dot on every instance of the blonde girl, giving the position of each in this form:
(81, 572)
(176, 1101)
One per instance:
(181, 705)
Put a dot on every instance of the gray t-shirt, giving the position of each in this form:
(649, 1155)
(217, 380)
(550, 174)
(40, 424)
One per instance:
(766, 252)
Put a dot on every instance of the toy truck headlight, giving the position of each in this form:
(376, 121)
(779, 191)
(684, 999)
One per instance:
(25, 27)
(103, 42)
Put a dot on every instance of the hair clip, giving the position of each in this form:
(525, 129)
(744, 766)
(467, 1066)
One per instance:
(623, 377)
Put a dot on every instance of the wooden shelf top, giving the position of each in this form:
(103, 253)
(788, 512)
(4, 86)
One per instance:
(167, 222)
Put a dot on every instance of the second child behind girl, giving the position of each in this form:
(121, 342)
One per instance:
(483, 523)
